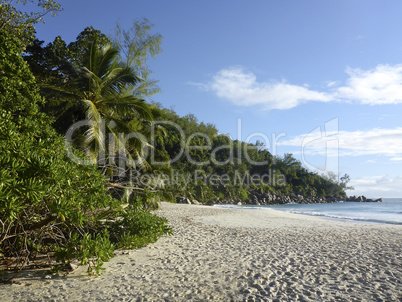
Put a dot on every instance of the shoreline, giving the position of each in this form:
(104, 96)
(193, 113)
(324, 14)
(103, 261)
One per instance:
(345, 219)
(221, 254)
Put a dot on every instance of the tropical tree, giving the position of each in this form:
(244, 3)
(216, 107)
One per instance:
(21, 24)
(48, 204)
(98, 87)
(103, 83)
(135, 46)
(344, 180)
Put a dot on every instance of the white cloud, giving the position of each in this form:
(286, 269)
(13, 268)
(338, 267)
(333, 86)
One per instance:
(378, 86)
(377, 186)
(332, 83)
(381, 85)
(376, 141)
(242, 89)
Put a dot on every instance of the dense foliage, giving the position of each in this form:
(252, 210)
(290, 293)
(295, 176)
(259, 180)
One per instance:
(208, 166)
(50, 205)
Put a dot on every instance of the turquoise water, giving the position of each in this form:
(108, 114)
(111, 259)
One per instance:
(389, 211)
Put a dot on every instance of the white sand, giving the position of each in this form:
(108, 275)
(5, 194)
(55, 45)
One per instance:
(239, 255)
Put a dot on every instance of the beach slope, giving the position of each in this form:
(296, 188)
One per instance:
(221, 254)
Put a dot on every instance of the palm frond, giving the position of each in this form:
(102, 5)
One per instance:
(129, 107)
(119, 79)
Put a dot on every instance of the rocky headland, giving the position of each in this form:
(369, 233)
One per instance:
(271, 198)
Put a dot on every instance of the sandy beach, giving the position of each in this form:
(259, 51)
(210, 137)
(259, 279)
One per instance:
(238, 255)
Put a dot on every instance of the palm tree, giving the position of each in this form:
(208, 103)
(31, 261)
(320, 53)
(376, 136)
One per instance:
(99, 87)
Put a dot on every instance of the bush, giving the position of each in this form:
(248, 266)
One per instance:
(48, 204)
(138, 228)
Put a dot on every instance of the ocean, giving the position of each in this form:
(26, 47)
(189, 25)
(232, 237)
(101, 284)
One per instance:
(387, 212)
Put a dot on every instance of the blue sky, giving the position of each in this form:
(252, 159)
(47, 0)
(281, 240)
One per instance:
(319, 79)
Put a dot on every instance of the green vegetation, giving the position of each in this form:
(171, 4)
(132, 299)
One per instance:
(50, 205)
(212, 166)
(124, 154)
